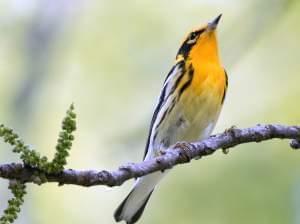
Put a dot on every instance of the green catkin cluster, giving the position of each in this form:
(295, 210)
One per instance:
(14, 204)
(33, 159)
(28, 156)
(64, 142)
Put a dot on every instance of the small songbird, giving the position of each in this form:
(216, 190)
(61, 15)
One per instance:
(187, 110)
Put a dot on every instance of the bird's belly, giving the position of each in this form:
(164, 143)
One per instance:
(191, 119)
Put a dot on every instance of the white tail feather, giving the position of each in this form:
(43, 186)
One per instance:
(132, 207)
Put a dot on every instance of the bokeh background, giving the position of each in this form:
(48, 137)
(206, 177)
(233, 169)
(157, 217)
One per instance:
(110, 58)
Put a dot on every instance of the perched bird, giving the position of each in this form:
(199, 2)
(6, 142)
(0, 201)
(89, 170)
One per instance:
(187, 110)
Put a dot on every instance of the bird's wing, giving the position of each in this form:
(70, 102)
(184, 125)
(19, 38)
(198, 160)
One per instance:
(169, 86)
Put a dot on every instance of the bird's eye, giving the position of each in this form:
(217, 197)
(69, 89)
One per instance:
(193, 35)
(192, 39)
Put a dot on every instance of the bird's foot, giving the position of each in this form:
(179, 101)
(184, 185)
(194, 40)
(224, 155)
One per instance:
(231, 129)
(228, 131)
(186, 149)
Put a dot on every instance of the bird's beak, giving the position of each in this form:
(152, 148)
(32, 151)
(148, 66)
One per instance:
(213, 24)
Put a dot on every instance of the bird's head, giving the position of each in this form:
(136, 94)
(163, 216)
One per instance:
(201, 43)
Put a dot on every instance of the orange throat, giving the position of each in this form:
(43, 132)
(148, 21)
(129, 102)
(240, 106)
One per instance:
(209, 75)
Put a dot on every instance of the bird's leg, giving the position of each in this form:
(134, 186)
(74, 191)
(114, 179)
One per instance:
(185, 150)
(228, 130)
(186, 147)
(160, 152)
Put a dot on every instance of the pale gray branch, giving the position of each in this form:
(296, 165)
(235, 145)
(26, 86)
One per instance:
(180, 153)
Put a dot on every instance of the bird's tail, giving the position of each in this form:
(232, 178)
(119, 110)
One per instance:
(134, 204)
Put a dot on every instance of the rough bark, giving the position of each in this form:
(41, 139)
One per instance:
(178, 154)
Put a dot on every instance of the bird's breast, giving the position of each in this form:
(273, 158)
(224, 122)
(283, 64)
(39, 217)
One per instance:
(195, 113)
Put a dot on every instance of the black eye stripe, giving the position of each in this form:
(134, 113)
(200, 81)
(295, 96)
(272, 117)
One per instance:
(196, 34)
(189, 43)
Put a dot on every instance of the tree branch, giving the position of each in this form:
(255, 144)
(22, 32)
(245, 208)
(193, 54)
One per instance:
(180, 153)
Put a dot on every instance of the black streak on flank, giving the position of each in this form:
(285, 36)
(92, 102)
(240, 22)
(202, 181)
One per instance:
(172, 105)
(180, 122)
(225, 87)
(174, 87)
(188, 83)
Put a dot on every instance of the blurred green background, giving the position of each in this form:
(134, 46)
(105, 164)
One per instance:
(110, 58)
